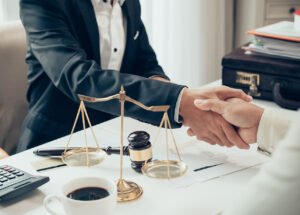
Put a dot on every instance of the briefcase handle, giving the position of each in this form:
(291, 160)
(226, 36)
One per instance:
(284, 102)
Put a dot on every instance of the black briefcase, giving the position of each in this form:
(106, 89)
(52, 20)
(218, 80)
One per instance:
(264, 77)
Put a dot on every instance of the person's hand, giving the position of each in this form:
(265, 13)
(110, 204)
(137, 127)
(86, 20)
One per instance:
(210, 126)
(239, 113)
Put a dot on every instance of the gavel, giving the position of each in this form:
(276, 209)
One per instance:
(139, 150)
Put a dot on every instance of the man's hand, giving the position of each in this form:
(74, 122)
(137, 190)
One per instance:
(244, 115)
(210, 126)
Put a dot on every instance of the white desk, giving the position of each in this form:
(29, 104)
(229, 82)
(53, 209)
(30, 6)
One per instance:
(160, 197)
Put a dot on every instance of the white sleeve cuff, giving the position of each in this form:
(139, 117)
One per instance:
(176, 114)
(272, 128)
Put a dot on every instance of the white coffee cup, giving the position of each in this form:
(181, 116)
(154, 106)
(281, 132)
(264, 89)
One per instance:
(103, 206)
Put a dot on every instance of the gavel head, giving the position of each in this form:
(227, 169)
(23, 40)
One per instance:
(140, 150)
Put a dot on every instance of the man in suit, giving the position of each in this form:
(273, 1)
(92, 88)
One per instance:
(92, 47)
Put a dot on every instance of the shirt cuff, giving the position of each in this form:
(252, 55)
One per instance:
(272, 128)
(262, 132)
(177, 118)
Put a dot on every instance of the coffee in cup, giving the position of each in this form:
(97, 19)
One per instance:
(87, 195)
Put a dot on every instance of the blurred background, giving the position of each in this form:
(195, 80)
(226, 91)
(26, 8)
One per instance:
(190, 37)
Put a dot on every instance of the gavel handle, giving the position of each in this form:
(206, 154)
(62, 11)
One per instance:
(116, 151)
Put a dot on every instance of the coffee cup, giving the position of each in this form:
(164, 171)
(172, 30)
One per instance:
(86, 195)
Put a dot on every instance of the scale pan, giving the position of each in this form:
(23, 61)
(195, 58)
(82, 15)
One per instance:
(84, 157)
(164, 169)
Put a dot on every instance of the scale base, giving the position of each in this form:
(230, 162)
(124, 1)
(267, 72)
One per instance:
(128, 191)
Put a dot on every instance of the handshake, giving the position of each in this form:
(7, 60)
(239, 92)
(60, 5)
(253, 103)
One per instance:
(220, 115)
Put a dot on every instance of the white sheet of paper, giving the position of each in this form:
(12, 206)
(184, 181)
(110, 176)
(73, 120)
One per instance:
(197, 154)
(283, 28)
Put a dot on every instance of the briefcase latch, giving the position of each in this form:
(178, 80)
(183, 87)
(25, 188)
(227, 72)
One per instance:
(250, 79)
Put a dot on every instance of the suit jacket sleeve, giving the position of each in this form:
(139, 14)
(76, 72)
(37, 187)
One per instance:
(69, 69)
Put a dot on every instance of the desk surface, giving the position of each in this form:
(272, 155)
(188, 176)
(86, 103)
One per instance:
(181, 196)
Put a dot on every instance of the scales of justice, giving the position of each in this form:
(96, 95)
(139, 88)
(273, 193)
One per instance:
(90, 156)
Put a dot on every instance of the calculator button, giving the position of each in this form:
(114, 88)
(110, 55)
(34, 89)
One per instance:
(15, 172)
(2, 172)
(20, 174)
(7, 168)
(1, 184)
(3, 179)
(11, 177)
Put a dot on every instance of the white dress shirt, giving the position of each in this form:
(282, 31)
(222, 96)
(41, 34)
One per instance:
(112, 30)
(276, 189)
(112, 25)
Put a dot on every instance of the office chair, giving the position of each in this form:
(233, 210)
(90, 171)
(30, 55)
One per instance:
(13, 83)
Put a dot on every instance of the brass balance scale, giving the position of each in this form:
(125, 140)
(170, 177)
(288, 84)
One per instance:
(87, 156)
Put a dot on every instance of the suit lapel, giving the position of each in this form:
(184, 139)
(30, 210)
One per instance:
(88, 15)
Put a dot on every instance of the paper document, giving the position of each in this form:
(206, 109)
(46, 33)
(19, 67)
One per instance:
(272, 52)
(282, 30)
(198, 154)
(275, 44)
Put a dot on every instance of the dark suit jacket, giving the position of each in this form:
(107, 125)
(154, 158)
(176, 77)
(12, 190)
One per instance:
(64, 61)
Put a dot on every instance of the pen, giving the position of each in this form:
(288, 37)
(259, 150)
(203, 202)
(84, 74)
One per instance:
(50, 167)
(207, 167)
(50, 152)
(58, 151)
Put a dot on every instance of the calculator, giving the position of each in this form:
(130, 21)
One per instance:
(15, 182)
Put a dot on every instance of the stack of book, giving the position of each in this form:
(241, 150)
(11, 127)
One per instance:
(280, 40)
